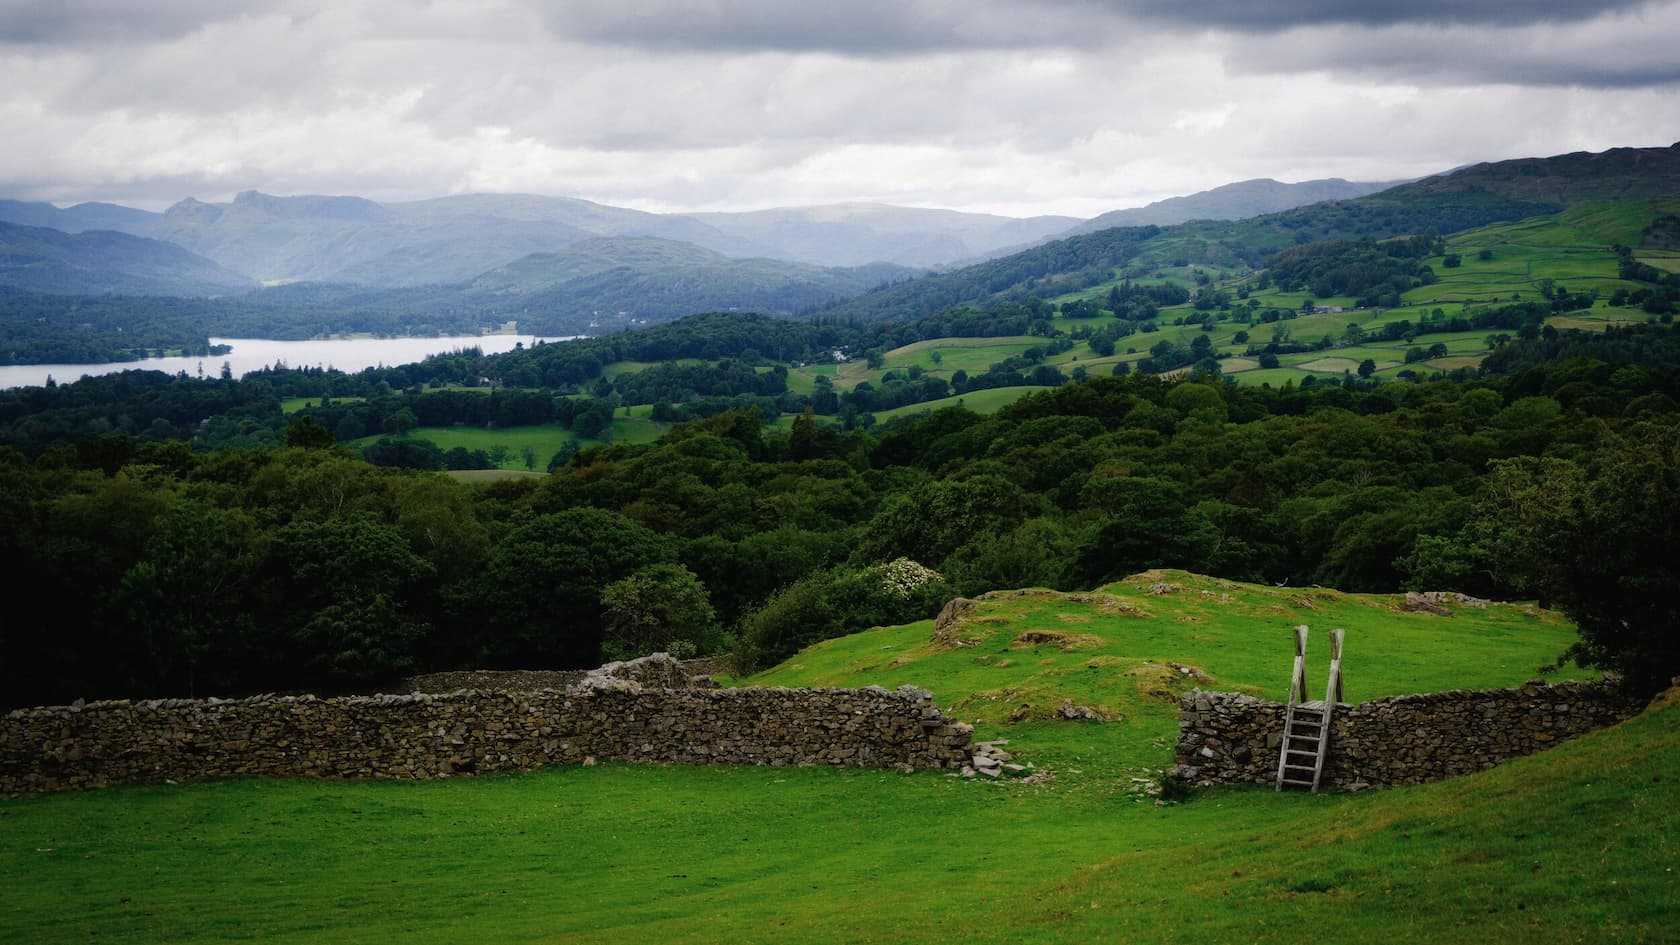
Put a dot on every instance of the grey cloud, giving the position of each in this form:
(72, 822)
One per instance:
(1001, 103)
(1614, 52)
(1273, 15)
(852, 27)
(63, 22)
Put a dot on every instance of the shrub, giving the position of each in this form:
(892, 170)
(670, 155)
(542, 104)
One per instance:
(835, 603)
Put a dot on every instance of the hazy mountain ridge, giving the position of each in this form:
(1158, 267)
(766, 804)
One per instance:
(453, 239)
(860, 233)
(1234, 201)
(79, 218)
(105, 261)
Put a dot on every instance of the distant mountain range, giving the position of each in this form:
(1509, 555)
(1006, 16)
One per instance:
(455, 240)
(565, 266)
(568, 263)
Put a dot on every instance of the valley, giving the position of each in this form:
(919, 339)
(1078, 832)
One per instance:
(1145, 453)
(1012, 471)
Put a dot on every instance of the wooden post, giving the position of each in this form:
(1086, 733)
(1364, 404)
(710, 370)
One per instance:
(1298, 681)
(1333, 694)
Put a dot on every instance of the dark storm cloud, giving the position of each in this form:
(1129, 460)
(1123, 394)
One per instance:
(67, 22)
(1617, 51)
(897, 27)
(1270, 15)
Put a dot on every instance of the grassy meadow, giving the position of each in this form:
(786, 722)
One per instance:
(1577, 844)
(545, 439)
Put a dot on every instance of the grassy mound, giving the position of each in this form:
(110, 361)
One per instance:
(1130, 649)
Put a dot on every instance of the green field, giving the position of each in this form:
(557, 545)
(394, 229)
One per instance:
(1576, 844)
(616, 368)
(492, 475)
(973, 355)
(291, 405)
(979, 401)
(545, 438)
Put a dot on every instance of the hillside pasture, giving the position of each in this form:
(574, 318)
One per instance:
(979, 401)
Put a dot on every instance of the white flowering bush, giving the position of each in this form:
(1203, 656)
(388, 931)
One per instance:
(903, 577)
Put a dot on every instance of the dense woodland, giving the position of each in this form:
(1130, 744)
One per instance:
(299, 566)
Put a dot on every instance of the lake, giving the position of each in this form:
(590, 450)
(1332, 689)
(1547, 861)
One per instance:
(251, 354)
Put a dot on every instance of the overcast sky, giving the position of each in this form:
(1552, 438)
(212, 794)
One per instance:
(1007, 106)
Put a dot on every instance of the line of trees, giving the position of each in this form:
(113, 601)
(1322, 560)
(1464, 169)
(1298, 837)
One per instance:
(169, 570)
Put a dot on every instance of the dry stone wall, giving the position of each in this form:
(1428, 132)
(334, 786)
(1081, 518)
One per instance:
(1229, 738)
(432, 736)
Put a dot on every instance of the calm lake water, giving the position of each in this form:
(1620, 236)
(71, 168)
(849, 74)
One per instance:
(250, 354)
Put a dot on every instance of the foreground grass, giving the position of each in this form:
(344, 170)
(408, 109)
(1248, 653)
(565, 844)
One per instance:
(1577, 844)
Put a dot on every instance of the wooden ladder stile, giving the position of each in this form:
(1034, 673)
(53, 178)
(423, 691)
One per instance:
(1306, 725)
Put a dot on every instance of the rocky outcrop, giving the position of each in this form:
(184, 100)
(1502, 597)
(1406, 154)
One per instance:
(949, 621)
(659, 671)
(1423, 604)
(1229, 738)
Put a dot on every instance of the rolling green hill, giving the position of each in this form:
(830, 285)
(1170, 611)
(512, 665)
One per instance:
(1450, 203)
(1130, 648)
(1565, 179)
